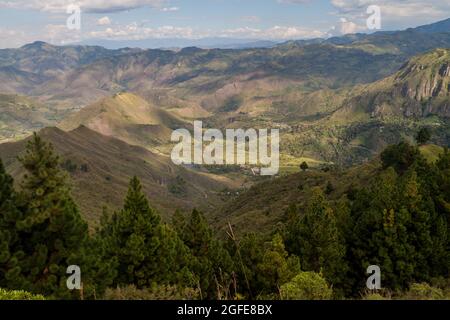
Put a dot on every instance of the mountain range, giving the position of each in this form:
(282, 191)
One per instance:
(110, 112)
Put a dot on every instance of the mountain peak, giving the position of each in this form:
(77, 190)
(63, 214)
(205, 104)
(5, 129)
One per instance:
(37, 45)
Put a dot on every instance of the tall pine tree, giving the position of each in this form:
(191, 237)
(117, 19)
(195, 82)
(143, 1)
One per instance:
(316, 239)
(10, 246)
(211, 263)
(52, 232)
(146, 250)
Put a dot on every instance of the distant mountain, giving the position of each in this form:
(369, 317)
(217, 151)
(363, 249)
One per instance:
(44, 59)
(14, 80)
(392, 109)
(419, 89)
(178, 43)
(71, 77)
(100, 168)
(331, 98)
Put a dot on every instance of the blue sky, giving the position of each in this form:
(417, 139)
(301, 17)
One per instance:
(24, 21)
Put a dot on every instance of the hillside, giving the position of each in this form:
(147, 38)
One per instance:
(419, 89)
(100, 168)
(19, 116)
(341, 126)
(363, 120)
(47, 60)
(74, 76)
(127, 117)
(262, 208)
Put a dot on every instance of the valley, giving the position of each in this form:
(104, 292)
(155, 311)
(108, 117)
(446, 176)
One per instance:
(337, 102)
(260, 168)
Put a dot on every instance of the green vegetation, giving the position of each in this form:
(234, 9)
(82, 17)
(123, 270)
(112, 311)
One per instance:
(156, 292)
(306, 286)
(398, 219)
(304, 166)
(423, 136)
(18, 295)
(309, 233)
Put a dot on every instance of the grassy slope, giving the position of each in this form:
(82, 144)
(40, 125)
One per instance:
(20, 115)
(111, 163)
(262, 207)
(129, 118)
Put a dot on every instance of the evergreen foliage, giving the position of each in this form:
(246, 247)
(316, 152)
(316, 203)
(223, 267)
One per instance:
(398, 220)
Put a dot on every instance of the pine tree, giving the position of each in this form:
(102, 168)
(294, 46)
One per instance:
(247, 252)
(315, 238)
(51, 230)
(304, 166)
(146, 250)
(211, 261)
(394, 225)
(372, 220)
(423, 136)
(10, 251)
(276, 267)
(419, 224)
(400, 156)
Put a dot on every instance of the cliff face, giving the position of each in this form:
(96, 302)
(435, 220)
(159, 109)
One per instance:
(420, 88)
(424, 83)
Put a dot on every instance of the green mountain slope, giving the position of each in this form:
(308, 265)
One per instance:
(100, 168)
(127, 117)
(370, 117)
(262, 208)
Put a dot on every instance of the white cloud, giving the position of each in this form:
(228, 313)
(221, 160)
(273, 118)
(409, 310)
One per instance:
(276, 32)
(395, 14)
(51, 33)
(348, 27)
(13, 38)
(59, 34)
(395, 10)
(105, 21)
(170, 9)
(135, 32)
(94, 6)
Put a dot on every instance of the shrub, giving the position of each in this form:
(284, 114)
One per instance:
(304, 166)
(423, 136)
(157, 292)
(400, 156)
(18, 295)
(306, 286)
(374, 296)
(423, 291)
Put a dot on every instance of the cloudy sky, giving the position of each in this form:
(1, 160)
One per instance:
(25, 21)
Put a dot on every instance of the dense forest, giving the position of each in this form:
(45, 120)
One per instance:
(399, 220)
